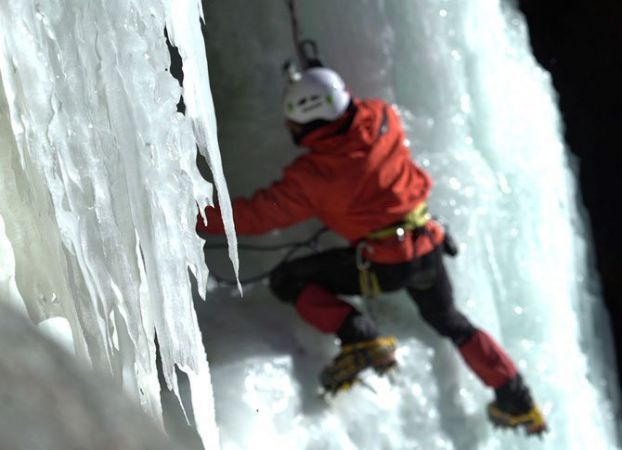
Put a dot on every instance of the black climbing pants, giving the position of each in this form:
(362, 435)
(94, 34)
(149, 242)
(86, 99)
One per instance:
(335, 270)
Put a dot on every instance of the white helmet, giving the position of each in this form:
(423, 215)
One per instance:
(317, 93)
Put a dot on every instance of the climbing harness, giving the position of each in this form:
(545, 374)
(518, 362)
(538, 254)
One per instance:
(414, 220)
(368, 281)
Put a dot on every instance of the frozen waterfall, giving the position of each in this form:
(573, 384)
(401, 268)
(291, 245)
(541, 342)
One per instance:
(98, 194)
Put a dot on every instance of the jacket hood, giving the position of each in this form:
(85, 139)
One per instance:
(350, 132)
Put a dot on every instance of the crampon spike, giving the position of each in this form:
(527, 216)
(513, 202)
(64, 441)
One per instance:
(532, 422)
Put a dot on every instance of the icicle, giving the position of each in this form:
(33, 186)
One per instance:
(101, 183)
(186, 35)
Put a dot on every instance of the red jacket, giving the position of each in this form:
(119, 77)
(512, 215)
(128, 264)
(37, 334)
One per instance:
(355, 181)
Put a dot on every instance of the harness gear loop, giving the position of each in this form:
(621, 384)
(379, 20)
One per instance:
(369, 284)
(368, 281)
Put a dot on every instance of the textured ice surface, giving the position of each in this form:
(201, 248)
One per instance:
(482, 119)
(99, 186)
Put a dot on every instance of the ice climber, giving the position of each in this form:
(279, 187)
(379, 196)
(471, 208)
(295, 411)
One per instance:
(359, 179)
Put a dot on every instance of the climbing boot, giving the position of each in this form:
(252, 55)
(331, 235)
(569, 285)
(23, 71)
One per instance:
(342, 373)
(514, 407)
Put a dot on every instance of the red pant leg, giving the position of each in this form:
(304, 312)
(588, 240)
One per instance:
(322, 309)
(488, 360)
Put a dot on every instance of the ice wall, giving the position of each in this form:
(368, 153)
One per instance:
(99, 187)
(482, 119)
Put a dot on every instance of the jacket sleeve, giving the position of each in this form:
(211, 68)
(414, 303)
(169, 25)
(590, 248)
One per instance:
(283, 203)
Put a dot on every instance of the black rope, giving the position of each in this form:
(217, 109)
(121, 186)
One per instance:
(311, 243)
(291, 6)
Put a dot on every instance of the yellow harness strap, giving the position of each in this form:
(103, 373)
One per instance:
(417, 218)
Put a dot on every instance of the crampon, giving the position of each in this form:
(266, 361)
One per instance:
(532, 421)
(377, 354)
(514, 408)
